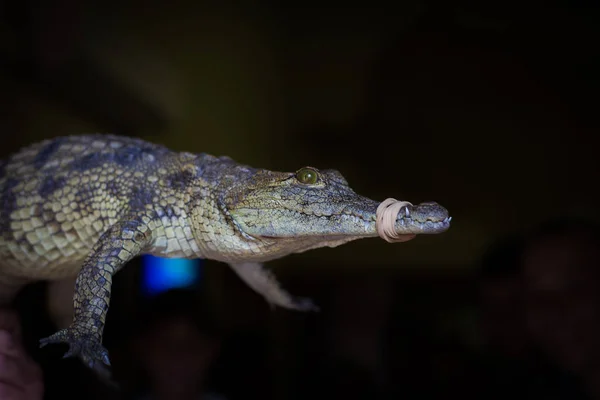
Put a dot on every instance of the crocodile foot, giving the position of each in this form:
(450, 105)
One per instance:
(82, 345)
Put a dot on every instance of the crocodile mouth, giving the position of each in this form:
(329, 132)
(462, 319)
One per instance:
(424, 227)
(305, 215)
(423, 218)
(347, 223)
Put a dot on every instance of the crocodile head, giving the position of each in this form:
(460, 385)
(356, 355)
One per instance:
(319, 209)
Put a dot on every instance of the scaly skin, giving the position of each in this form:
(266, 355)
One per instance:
(86, 205)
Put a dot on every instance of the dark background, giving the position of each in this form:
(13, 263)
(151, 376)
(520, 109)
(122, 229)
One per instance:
(488, 108)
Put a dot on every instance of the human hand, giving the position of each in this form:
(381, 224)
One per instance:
(20, 377)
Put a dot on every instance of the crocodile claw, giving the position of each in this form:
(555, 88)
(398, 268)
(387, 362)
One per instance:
(84, 346)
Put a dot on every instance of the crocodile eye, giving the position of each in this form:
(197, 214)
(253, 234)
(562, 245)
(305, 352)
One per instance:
(307, 175)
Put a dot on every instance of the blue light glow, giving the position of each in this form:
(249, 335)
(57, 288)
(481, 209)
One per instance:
(161, 274)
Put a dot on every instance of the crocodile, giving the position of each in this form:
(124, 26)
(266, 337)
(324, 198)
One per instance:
(83, 206)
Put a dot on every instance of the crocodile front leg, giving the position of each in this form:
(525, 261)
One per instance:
(122, 242)
(264, 282)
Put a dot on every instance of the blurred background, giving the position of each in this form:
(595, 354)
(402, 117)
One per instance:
(487, 108)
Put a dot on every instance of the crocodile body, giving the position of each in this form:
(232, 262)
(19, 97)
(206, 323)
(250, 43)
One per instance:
(86, 205)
